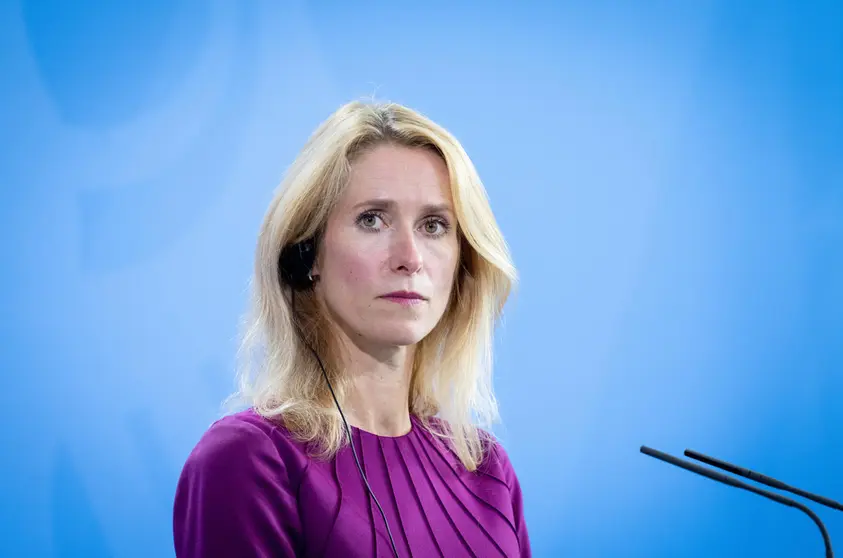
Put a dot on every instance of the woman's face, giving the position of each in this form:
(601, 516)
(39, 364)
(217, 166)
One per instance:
(390, 250)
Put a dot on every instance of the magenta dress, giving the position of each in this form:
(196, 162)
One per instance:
(249, 489)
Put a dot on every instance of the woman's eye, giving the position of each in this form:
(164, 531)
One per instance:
(435, 227)
(368, 220)
(372, 221)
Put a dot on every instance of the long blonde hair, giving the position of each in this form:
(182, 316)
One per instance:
(452, 370)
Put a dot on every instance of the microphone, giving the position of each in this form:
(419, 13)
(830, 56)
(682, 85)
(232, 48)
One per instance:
(731, 481)
(763, 479)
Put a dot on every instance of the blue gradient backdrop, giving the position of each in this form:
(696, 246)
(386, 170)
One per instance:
(670, 179)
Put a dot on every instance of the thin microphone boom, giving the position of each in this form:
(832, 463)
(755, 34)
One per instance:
(763, 479)
(731, 481)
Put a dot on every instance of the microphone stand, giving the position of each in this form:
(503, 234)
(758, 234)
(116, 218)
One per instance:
(731, 481)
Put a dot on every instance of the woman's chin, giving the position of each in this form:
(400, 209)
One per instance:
(397, 334)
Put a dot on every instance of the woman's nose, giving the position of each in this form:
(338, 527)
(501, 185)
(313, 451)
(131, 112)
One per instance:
(405, 256)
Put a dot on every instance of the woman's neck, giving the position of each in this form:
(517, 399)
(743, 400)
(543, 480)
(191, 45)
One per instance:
(377, 399)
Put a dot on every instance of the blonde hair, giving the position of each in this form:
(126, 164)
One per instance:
(451, 385)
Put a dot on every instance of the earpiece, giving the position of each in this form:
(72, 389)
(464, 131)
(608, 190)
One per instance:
(295, 265)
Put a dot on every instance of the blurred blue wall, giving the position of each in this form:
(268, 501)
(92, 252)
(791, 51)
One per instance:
(670, 179)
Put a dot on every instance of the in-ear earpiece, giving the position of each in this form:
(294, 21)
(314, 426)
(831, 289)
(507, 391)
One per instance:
(295, 265)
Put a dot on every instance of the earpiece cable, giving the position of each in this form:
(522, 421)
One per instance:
(347, 430)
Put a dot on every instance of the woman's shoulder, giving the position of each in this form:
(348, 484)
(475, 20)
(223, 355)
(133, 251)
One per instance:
(246, 439)
(236, 495)
(494, 460)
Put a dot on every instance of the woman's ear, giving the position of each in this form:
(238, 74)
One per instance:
(313, 274)
(314, 268)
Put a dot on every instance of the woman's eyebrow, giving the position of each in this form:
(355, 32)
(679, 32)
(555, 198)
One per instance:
(386, 204)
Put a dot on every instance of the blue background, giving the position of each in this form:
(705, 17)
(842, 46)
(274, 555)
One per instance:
(670, 178)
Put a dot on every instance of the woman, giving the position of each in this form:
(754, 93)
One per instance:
(380, 272)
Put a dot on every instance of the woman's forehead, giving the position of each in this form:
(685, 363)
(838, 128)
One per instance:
(395, 177)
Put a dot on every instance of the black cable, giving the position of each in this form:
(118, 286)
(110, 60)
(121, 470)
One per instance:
(348, 432)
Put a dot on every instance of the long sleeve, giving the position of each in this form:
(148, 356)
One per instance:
(235, 497)
(520, 521)
(511, 479)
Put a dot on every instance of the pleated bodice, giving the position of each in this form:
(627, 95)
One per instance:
(297, 505)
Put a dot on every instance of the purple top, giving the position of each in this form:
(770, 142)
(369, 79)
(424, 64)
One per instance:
(249, 489)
